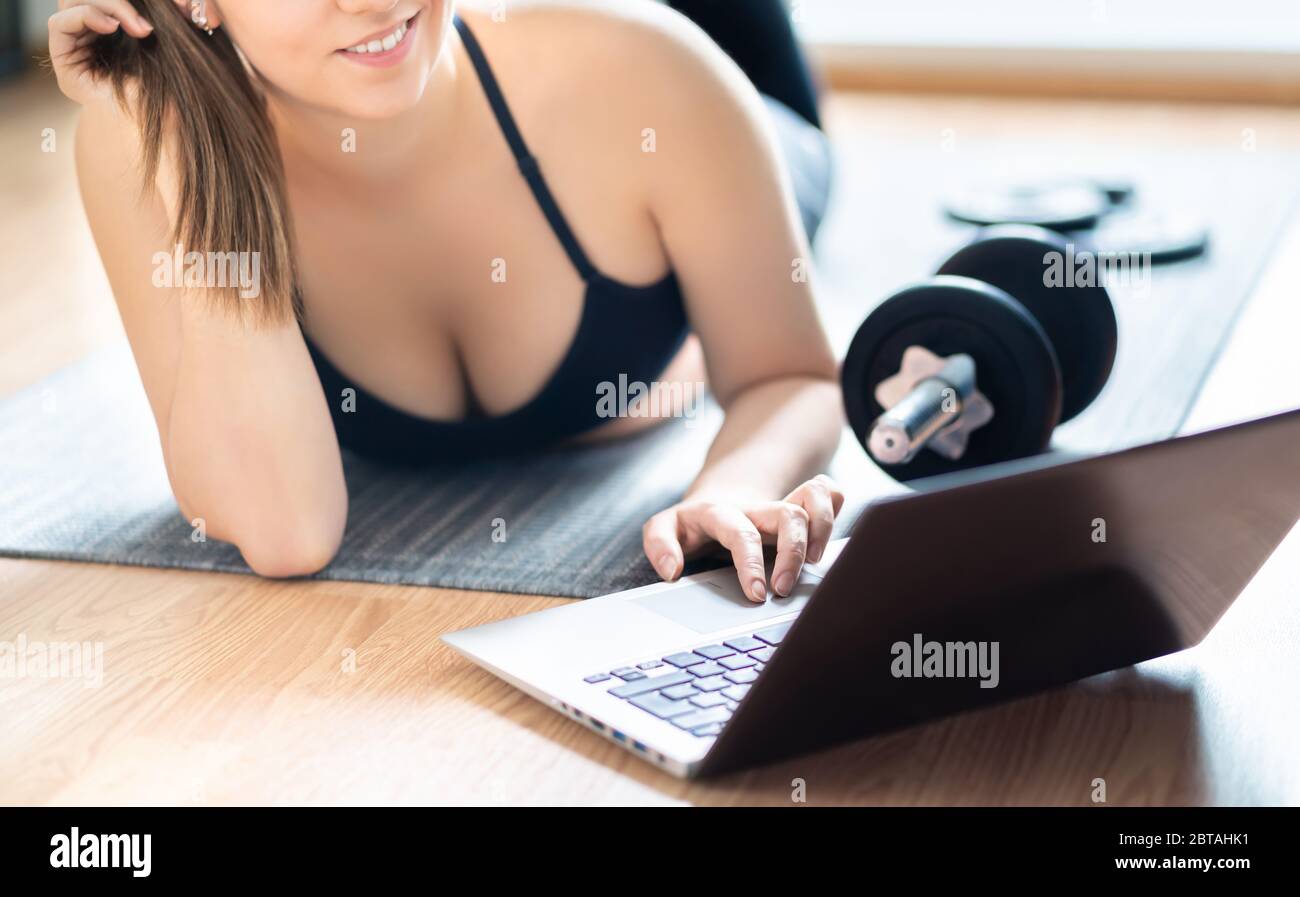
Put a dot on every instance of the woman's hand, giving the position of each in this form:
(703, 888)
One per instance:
(800, 525)
(77, 25)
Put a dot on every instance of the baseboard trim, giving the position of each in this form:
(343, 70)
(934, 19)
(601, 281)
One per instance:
(1192, 75)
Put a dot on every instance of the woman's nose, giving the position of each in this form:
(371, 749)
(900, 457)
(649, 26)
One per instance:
(364, 6)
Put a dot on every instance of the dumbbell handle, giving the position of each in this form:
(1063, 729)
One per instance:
(932, 405)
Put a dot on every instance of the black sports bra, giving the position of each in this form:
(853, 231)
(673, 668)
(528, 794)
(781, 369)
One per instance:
(625, 331)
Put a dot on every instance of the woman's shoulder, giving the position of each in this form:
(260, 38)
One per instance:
(616, 75)
(591, 48)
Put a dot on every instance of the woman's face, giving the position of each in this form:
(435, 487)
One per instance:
(366, 59)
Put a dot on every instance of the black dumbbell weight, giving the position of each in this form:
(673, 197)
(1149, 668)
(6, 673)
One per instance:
(980, 363)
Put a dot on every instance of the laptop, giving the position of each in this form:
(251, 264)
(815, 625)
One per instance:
(971, 591)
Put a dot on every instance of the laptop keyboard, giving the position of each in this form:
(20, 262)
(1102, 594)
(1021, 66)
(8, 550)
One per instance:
(696, 690)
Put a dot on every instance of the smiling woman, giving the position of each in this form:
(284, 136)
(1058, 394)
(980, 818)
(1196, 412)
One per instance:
(466, 225)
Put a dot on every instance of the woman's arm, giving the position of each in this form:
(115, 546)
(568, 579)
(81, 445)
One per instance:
(245, 431)
(726, 213)
(775, 436)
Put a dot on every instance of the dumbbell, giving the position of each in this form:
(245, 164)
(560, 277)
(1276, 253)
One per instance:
(980, 363)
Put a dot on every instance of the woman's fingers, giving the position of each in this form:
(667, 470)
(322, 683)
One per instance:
(81, 21)
(822, 499)
(78, 24)
(669, 534)
(70, 32)
(120, 10)
(67, 28)
(800, 526)
(731, 528)
(788, 521)
(661, 540)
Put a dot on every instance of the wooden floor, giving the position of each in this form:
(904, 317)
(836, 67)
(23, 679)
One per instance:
(228, 689)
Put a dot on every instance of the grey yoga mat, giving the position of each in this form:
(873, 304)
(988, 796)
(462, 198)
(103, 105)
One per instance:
(81, 475)
(84, 480)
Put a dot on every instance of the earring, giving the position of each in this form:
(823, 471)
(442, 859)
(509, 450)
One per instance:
(199, 15)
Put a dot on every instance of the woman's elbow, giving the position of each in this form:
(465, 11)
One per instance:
(282, 544)
(285, 514)
(286, 550)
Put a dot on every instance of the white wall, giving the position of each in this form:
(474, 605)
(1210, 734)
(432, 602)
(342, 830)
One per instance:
(1240, 25)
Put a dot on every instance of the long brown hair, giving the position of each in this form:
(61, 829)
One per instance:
(231, 176)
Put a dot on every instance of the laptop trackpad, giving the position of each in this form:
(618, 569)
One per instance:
(718, 604)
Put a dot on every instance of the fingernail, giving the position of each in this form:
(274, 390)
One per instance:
(783, 583)
(758, 590)
(667, 566)
(144, 23)
(815, 554)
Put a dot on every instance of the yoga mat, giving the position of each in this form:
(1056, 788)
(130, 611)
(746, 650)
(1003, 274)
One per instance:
(87, 482)
(81, 474)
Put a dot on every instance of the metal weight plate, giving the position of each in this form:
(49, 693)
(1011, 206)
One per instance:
(1168, 237)
(1079, 318)
(1059, 205)
(1015, 368)
(1117, 189)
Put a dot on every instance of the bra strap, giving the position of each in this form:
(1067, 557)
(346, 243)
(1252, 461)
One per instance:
(528, 164)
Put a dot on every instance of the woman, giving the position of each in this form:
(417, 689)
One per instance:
(445, 273)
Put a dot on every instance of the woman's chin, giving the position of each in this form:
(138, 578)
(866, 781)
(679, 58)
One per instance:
(379, 106)
(376, 94)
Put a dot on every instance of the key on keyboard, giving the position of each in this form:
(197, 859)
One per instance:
(706, 669)
(648, 684)
(663, 707)
(708, 699)
(702, 718)
(775, 634)
(713, 652)
(736, 692)
(712, 683)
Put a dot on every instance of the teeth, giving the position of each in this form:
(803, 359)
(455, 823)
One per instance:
(385, 44)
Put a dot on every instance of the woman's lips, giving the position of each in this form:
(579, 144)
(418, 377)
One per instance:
(387, 50)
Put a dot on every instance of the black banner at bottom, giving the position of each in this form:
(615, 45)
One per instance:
(216, 846)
